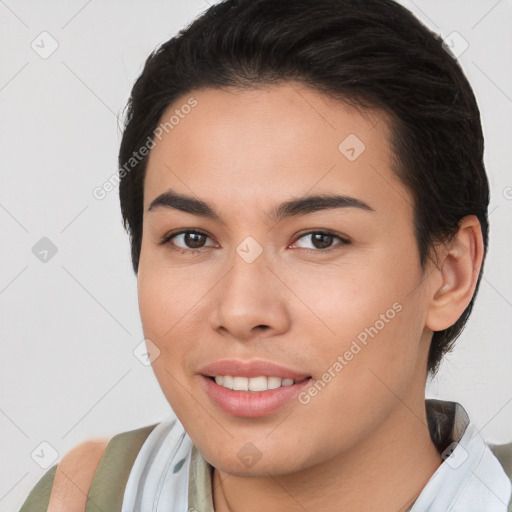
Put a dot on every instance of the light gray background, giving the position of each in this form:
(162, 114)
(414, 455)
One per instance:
(69, 325)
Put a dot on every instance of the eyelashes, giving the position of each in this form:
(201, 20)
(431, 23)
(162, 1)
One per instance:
(196, 236)
(167, 241)
(330, 236)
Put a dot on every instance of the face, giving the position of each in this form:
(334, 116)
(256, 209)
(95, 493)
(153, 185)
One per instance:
(324, 295)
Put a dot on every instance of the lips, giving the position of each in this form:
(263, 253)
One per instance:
(250, 399)
(248, 369)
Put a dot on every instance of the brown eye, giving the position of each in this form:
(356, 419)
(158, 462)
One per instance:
(194, 240)
(322, 241)
(186, 241)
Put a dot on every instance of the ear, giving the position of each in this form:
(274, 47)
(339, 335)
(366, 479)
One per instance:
(459, 269)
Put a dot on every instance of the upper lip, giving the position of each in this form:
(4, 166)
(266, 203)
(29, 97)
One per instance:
(253, 368)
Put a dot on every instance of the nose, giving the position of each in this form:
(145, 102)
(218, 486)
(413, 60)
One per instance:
(250, 301)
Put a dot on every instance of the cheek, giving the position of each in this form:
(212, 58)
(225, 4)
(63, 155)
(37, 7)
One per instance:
(170, 306)
(153, 309)
(368, 323)
(345, 299)
(161, 310)
(166, 297)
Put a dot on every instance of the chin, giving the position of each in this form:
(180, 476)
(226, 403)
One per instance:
(250, 462)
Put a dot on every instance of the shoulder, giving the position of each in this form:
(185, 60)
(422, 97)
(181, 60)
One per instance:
(62, 486)
(74, 475)
(87, 468)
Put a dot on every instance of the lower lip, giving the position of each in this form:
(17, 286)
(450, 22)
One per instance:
(251, 404)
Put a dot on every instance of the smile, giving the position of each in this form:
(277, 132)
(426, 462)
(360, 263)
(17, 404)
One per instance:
(254, 384)
(262, 399)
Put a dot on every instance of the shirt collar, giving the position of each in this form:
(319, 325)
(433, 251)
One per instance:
(470, 477)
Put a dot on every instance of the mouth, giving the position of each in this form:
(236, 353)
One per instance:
(254, 384)
(253, 397)
(252, 388)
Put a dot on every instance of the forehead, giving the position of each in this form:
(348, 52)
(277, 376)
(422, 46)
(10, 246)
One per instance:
(255, 147)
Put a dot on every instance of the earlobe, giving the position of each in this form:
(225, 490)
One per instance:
(460, 267)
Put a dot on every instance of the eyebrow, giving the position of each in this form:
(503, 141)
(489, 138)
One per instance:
(292, 208)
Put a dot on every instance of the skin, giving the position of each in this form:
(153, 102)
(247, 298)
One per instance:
(362, 442)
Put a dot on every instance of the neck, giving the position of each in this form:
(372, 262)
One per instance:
(383, 473)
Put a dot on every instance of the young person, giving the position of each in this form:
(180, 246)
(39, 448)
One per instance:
(303, 186)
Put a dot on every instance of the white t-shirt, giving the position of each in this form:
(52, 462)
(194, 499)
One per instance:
(169, 473)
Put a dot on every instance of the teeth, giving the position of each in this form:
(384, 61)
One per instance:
(240, 383)
(257, 384)
(252, 384)
(274, 382)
